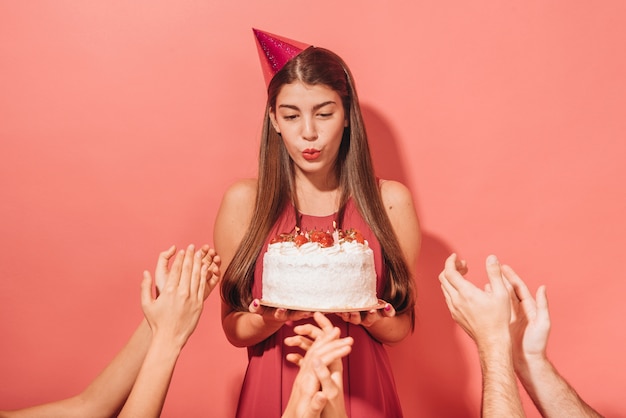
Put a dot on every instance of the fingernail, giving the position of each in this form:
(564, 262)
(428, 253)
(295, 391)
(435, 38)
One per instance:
(492, 259)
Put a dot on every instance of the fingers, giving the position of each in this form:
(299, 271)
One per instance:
(255, 307)
(212, 273)
(209, 255)
(322, 321)
(461, 266)
(165, 256)
(324, 376)
(193, 281)
(204, 287)
(521, 290)
(494, 273)
(146, 289)
(327, 353)
(214, 270)
(317, 404)
(276, 314)
(450, 278)
(447, 297)
(351, 317)
(294, 358)
(388, 310)
(299, 341)
(334, 350)
(543, 314)
(175, 270)
(186, 270)
(161, 267)
(314, 332)
(183, 278)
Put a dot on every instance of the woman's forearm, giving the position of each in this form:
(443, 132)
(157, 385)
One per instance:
(391, 330)
(244, 329)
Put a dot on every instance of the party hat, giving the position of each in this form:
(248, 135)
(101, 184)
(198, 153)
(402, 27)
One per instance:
(275, 51)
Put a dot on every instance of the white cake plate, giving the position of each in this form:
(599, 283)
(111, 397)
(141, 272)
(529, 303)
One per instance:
(381, 304)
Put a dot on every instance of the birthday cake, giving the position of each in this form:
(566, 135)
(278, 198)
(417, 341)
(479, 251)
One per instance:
(319, 271)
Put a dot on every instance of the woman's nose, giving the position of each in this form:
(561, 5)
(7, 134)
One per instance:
(309, 130)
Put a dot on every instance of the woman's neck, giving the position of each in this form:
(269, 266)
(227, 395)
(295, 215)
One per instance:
(317, 198)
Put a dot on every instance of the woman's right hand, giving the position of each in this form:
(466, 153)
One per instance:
(277, 314)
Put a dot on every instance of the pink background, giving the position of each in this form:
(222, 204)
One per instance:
(122, 123)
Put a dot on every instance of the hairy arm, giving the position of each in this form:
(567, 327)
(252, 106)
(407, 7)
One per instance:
(551, 393)
(485, 315)
(500, 395)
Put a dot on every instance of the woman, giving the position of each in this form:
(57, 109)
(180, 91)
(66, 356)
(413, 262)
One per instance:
(315, 169)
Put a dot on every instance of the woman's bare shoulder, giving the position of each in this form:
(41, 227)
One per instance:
(398, 202)
(240, 194)
(234, 216)
(394, 193)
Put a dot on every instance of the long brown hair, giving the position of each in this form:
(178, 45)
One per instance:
(354, 170)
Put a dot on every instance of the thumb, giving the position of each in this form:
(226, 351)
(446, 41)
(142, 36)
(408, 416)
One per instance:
(146, 289)
(494, 273)
(542, 305)
(317, 404)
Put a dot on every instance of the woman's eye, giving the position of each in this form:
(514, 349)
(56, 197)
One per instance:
(290, 117)
(324, 115)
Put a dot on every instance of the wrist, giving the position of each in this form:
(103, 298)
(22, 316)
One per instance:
(494, 343)
(167, 344)
(533, 361)
(529, 365)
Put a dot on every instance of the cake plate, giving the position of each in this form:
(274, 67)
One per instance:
(381, 304)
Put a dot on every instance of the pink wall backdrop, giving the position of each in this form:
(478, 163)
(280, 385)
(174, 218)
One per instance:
(121, 124)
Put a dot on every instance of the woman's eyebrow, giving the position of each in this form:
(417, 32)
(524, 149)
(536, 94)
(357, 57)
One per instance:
(321, 105)
(316, 107)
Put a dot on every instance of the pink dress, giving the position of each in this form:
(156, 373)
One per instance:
(369, 387)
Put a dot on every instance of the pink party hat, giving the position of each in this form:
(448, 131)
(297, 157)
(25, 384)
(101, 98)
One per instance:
(275, 51)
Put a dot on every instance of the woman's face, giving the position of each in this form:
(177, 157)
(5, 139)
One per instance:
(311, 120)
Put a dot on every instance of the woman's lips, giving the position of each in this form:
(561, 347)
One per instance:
(310, 154)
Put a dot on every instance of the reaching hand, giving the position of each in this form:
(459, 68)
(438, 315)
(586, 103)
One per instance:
(174, 314)
(483, 314)
(531, 324)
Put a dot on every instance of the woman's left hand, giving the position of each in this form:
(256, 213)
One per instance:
(277, 314)
(367, 318)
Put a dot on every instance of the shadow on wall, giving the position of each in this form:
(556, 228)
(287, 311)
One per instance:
(430, 374)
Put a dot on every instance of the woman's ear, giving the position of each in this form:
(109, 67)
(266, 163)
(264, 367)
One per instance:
(274, 123)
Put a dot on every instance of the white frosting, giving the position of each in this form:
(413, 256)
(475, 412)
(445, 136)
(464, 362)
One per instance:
(312, 278)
